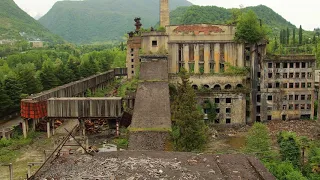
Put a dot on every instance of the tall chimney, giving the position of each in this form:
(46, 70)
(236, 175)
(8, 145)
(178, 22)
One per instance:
(164, 13)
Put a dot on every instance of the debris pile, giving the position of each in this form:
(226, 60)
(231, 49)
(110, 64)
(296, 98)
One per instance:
(42, 125)
(96, 126)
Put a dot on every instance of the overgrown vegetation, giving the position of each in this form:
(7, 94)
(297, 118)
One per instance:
(287, 162)
(189, 132)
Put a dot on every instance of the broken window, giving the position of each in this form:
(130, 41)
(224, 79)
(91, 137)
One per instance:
(308, 106)
(290, 106)
(296, 106)
(269, 75)
(303, 65)
(259, 74)
(285, 85)
(303, 85)
(132, 60)
(297, 75)
(290, 97)
(297, 65)
(285, 97)
(132, 66)
(269, 85)
(302, 106)
(258, 109)
(296, 97)
(284, 107)
(297, 85)
(221, 67)
(269, 118)
(259, 98)
(277, 75)
(269, 65)
(291, 65)
(277, 65)
(309, 75)
(285, 75)
(303, 75)
(291, 75)
(228, 121)
(228, 100)
(269, 108)
(154, 43)
(217, 121)
(218, 110)
(277, 85)
(216, 100)
(309, 85)
(269, 97)
(309, 97)
(290, 85)
(285, 65)
(303, 97)
(228, 110)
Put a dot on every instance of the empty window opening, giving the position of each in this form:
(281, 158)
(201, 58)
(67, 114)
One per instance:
(259, 88)
(284, 117)
(297, 75)
(303, 65)
(132, 54)
(285, 85)
(277, 65)
(297, 107)
(218, 110)
(309, 85)
(297, 65)
(290, 106)
(290, 97)
(228, 100)
(132, 72)
(309, 97)
(291, 65)
(285, 97)
(132, 66)
(259, 98)
(191, 52)
(277, 85)
(303, 97)
(303, 106)
(309, 75)
(269, 75)
(269, 118)
(217, 87)
(239, 86)
(277, 75)
(132, 50)
(154, 43)
(132, 60)
(291, 75)
(228, 86)
(206, 86)
(285, 65)
(308, 106)
(269, 97)
(221, 67)
(284, 107)
(269, 85)
(258, 119)
(285, 75)
(195, 87)
(216, 100)
(228, 121)
(258, 109)
(303, 75)
(217, 121)
(259, 74)
(303, 85)
(297, 85)
(269, 65)
(296, 97)
(290, 85)
(228, 110)
(269, 108)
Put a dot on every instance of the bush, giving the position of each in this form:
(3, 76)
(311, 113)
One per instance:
(258, 140)
(5, 142)
(122, 143)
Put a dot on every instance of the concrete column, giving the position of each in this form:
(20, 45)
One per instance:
(174, 59)
(24, 128)
(206, 58)
(240, 55)
(29, 171)
(10, 171)
(48, 129)
(34, 124)
(3, 133)
(196, 58)
(117, 126)
(83, 128)
(52, 121)
(27, 125)
(186, 56)
(217, 58)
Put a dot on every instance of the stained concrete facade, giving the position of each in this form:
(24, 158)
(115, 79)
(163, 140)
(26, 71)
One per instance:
(287, 88)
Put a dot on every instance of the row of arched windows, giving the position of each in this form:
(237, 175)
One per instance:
(217, 87)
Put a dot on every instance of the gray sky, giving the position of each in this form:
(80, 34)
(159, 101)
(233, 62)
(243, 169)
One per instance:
(297, 12)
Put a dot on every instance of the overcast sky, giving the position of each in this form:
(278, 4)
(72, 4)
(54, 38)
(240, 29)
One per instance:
(304, 12)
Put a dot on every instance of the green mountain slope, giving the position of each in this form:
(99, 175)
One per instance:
(15, 24)
(101, 20)
(218, 15)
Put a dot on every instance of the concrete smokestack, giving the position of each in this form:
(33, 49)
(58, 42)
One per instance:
(164, 13)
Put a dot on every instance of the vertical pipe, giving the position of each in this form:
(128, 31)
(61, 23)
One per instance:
(10, 171)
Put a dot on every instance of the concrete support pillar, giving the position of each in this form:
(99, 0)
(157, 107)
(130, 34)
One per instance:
(27, 125)
(174, 59)
(241, 55)
(217, 58)
(24, 128)
(87, 143)
(3, 133)
(186, 56)
(83, 128)
(207, 58)
(196, 58)
(34, 124)
(117, 128)
(29, 171)
(52, 121)
(48, 129)
(10, 171)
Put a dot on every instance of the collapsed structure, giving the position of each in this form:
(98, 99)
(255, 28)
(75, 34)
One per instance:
(243, 82)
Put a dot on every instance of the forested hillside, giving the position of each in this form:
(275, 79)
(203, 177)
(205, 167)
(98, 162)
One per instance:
(219, 15)
(32, 71)
(101, 20)
(15, 24)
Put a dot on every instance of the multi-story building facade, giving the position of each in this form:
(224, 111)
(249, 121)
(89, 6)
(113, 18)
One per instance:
(210, 54)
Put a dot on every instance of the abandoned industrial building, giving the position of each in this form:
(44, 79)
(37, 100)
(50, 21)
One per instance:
(271, 87)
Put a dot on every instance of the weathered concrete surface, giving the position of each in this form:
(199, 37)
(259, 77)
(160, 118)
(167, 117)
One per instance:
(156, 165)
(149, 140)
(151, 121)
